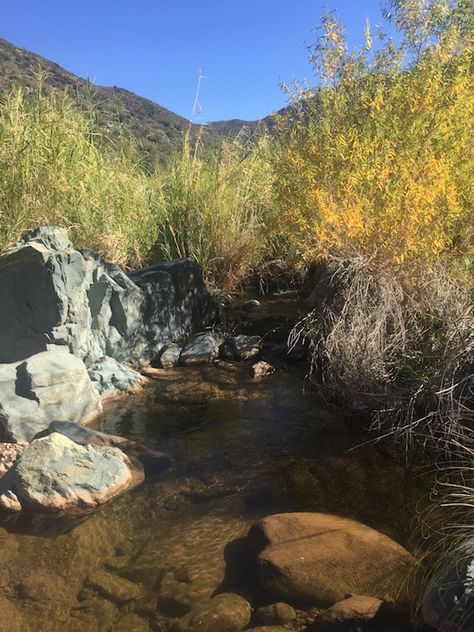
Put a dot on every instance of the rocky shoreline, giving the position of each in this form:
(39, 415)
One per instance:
(69, 321)
(76, 330)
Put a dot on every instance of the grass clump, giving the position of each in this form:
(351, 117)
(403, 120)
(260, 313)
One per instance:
(217, 208)
(56, 167)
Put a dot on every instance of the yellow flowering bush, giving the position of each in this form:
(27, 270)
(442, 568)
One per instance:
(378, 159)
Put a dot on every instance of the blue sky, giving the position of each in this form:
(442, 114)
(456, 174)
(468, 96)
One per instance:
(155, 47)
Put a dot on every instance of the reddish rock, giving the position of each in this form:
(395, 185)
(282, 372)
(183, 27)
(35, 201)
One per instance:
(318, 559)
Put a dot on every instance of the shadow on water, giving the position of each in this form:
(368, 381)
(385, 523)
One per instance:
(241, 449)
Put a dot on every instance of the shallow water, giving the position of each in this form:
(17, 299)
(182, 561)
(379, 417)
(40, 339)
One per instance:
(241, 449)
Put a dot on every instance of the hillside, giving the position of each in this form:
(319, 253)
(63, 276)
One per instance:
(158, 129)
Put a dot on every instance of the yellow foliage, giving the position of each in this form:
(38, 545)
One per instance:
(380, 162)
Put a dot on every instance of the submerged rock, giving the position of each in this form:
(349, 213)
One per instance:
(202, 348)
(50, 385)
(318, 559)
(226, 612)
(113, 587)
(276, 614)
(349, 614)
(56, 474)
(131, 622)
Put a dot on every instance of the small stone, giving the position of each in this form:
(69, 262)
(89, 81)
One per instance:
(9, 502)
(251, 306)
(112, 587)
(246, 347)
(169, 356)
(202, 348)
(262, 369)
(355, 611)
(95, 611)
(131, 622)
(276, 614)
(226, 612)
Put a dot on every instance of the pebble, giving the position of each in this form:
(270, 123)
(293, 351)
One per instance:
(8, 455)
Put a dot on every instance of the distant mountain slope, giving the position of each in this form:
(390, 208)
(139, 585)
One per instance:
(158, 129)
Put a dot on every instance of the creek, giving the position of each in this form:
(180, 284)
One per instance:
(241, 449)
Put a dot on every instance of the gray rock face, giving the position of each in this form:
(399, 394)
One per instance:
(109, 376)
(50, 385)
(56, 474)
(201, 348)
(52, 294)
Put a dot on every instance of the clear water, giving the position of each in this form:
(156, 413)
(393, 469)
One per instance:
(241, 449)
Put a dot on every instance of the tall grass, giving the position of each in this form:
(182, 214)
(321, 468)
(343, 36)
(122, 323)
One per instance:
(56, 167)
(217, 207)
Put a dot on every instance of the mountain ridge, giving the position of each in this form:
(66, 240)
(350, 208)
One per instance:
(158, 129)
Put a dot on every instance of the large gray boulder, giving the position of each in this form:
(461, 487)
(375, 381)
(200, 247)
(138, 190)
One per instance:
(48, 386)
(56, 474)
(53, 294)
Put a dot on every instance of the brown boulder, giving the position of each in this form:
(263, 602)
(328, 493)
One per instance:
(318, 559)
